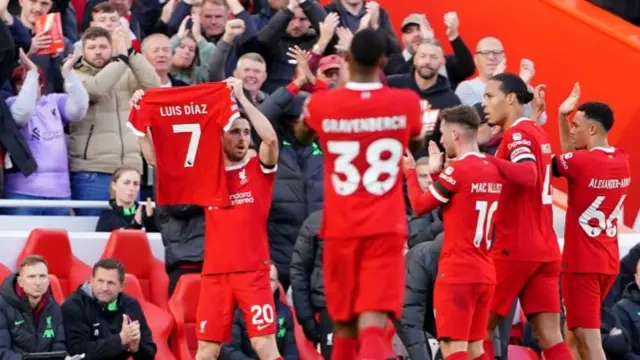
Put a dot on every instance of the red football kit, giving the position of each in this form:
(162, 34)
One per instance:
(469, 188)
(598, 183)
(236, 257)
(364, 129)
(186, 127)
(526, 253)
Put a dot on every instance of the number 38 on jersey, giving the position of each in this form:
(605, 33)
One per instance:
(378, 171)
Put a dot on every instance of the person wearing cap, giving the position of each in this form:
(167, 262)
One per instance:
(416, 28)
(329, 67)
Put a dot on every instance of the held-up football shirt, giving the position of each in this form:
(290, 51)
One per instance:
(364, 129)
(236, 236)
(524, 220)
(598, 183)
(186, 126)
(468, 190)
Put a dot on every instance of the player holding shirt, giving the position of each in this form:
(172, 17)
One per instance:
(231, 274)
(364, 129)
(467, 189)
(526, 253)
(599, 178)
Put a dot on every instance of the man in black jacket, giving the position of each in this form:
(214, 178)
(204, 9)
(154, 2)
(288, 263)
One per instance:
(30, 319)
(182, 230)
(628, 312)
(307, 285)
(240, 346)
(104, 323)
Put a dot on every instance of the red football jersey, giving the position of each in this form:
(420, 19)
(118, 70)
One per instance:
(236, 236)
(598, 184)
(364, 130)
(186, 126)
(469, 189)
(524, 220)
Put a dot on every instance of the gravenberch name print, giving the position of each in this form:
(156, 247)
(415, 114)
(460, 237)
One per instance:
(180, 110)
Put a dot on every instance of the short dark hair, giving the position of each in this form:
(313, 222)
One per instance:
(464, 115)
(103, 7)
(110, 264)
(512, 83)
(95, 32)
(367, 48)
(598, 112)
(32, 260)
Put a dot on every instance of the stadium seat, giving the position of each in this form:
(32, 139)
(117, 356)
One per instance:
(54, 246)
(4, 272)
(56, 289)
(159, 321)
(183, 306)
(132, 249)
(516, 352)
(306, 349)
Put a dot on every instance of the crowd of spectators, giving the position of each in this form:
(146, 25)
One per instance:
(63, 136)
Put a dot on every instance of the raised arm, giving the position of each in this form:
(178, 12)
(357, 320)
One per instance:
(269, 146)
(567, 107)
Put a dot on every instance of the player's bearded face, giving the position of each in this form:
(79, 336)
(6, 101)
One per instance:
(236, 141)
(494, 103)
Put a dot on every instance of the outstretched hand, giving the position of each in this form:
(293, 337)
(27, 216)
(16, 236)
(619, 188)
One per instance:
(570, 104)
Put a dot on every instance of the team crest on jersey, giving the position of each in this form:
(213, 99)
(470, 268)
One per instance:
(567, 156)
(243, 176)
(448, 170)
(517, 136)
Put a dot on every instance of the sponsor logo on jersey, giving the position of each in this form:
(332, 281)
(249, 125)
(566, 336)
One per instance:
(241, 198)
(563, 161)
(518, 143)
(567, 156)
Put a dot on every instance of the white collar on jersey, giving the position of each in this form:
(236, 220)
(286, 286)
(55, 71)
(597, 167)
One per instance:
(473, 153)
(610, 149)
(521, 120)
(363, 86)
(237, 166)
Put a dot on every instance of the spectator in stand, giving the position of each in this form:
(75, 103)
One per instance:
(627, 310)
(41, 119)
(358, 14)
(191, 53)
(415, 28)
(30, 318)
(307, 285)
(297, 191)
(214, 14)
(429, 84)
(11, 140)
(182, 230)
(489, 137)
(626, 276)
(22, 29)
(140, 19)
(329, 69)
(100, 143)
(288, 28)
(104, 323)
(156, 48)
(427, 227)
(417, 315)
(615, 339)
(261, 19)
(240, 346)
(124, 211)
(104, 15)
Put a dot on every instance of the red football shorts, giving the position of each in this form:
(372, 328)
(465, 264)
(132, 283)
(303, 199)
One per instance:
(462, 310)
(219, 295)
(536, 284)
(364, 274)
(583, 296)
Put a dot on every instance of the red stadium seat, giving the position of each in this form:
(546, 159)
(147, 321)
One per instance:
(56, 289)
(54, 246)
(132, 249)
(4, 272)
(160, 321)
(306, 349)
(183, 306)
(516, 352)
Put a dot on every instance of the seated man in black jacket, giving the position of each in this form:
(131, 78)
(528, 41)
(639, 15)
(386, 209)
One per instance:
(104, 323)
(240, 346)
(30, 319)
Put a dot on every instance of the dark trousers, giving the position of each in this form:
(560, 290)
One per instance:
(175, 274)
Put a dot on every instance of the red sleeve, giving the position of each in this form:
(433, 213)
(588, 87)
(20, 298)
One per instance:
(439, 193)
(565, 165)
(138, 119)
(414, 116)
(523, 173)
(320, 85)
(227, 108)
(308, 113)
(519, 146)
